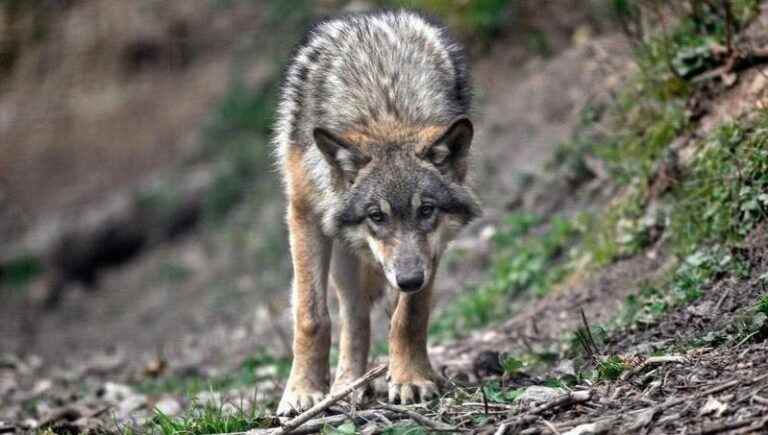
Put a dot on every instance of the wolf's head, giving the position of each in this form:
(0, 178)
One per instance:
(404, 200)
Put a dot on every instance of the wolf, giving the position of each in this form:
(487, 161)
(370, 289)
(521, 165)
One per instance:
(372, 139)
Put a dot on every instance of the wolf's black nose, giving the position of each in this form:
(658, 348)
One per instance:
(411, 281)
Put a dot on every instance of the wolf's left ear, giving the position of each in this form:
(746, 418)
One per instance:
(343, 156)
(450, 151)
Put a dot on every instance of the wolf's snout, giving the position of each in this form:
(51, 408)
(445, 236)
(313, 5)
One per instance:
(410, 281)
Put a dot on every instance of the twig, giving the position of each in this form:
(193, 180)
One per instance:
(502, 429)
(331, 399)
(415, 416)
(654, 360)
(533, 414)
(754, 424)
(759, 399)
(721, 300)
(490, 405)
(551, 427)
(317, 424)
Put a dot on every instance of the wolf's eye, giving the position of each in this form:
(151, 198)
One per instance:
(426, 211)
(377, 216)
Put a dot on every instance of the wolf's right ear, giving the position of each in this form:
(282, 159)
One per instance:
(342, 156)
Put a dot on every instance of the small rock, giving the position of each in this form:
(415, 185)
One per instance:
(702, 309)
(114, 392)
(270, 371)
(130, 404)
(538, 394)
(566, 367)
(168, 406)
(713, 406)
(590, 429)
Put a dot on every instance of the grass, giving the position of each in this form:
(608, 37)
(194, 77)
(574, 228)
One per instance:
(210, 419)
(723, 197)
(525, 263)
(611, 368)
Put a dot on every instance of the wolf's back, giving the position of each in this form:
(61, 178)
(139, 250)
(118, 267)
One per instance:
(360, 69)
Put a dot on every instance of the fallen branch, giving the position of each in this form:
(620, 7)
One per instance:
(418, 418)
(754, 425)
(654, 360)
(533, 414)
(317, 424)
(330, 400)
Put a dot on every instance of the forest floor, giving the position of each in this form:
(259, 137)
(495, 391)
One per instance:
(568, 308)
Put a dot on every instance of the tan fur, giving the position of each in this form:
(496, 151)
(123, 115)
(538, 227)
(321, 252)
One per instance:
(310, 251)
(390, 130)
(411, 374)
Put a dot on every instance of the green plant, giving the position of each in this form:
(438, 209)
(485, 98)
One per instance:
(208, 419)
(611, 368)
(723, 196)
(511, 365)
(523, 263)
(762, 305)
(496, 392)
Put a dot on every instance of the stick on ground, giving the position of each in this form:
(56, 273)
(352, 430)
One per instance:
(418, 418)
(330, 400)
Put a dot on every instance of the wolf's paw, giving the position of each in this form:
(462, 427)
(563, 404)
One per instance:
(414, 392)
(296, 401)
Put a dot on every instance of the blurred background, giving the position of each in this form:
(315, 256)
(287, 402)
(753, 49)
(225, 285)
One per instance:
(138, 205)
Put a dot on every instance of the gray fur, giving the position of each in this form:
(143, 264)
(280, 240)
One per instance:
(357, 69)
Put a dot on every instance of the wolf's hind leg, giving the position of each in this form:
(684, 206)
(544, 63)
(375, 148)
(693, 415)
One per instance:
(310, 253)
(411, 377)
(357, 284)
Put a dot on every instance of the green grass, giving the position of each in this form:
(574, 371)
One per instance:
(210, 419)
(762, 305)
(611, 368)
(524, 263)
(725, 194)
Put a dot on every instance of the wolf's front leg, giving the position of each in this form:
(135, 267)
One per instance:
(310, 252)
(357, 285)
(412, 378)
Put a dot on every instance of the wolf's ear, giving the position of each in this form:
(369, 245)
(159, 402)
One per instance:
(343, 156)
(450, 151)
